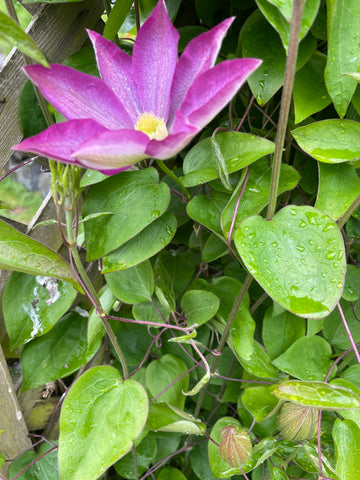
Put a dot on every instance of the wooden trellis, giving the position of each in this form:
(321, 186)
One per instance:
(59, 30)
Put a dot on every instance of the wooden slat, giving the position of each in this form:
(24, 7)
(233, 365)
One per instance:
(59, 30)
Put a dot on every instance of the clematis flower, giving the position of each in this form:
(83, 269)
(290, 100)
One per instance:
(149, 104)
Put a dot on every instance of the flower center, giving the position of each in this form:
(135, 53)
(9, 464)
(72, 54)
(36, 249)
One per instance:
(153, 126)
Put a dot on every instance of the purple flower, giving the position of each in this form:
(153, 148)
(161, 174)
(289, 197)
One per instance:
(147, 105)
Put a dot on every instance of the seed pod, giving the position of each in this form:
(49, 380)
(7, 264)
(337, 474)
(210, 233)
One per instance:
(297, 422)
(235, 445)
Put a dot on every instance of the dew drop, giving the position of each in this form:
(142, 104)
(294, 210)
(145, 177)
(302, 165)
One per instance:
(330, 255)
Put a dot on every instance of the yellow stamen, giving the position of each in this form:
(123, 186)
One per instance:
(153, 126)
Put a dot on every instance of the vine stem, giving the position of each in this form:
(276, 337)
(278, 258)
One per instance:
(90, 288)
(285, 103)
(173, 177)
(224, 337)
(348, 333)
(344, 218)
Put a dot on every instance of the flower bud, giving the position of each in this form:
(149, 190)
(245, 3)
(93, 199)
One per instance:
(297, 422)
(235, 445)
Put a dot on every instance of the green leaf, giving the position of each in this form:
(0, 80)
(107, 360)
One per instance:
(36, 306)
(12, 33)
(31, 118)
(310, 94)
(133, 285)
(330, 141)
(256, 193)
(280, 329)
(150, 312)
(317, 394)
(214, 248)
(343, 51)
(116, 18)
(260, 402)
(297, 258)
(207, 209)
(259, 363)
(277, 14)
(199, 306)
(146, 244)
(350, 414)
(145, 454)
(161, 373)
(237, 149)
(23, 254)
(102, 413)
(334, 330)
(45, 468)
(58, 353)
(170, 473)
(242, 334)
(167, 418)
(346, 435)
(339, 186)
(352, 284)
(136, 191)
(258, 39)
(308, 358)
(220, 163)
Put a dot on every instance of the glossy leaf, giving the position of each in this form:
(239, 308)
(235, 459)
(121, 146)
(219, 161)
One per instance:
(116, 18)
(297, 257)
(149, 312)
(123, 194)
(161, 373)
(277, 14)
(343, 51)
(256, 193)
(59, 353)
(44, 468)
(352, 284)
(310, 94)
(242, 333)
(24, 254)
(339, 186)
(102, 413)
(133, 285)
(350, 414)
(199, 306)
(346, 435)
(258, 363)
(38, 304)
(170, 473)
(300, 362)
(167, 418)
(12, 33)
(330, 141)
(238, 150)
(31, 118)
(317, 394)
(208, 209)
(258, 39)
(259, 401)
(146, 244)
(280, 329)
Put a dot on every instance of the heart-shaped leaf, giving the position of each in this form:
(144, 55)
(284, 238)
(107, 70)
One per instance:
(297, 257)
(101, 417)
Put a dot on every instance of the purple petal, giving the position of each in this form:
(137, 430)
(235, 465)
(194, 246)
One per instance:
(115, 70)
(78, 95)
(172, 144)
(60, 140)
(113, 151)
(154, 61)
(199, 55)
(212, 90)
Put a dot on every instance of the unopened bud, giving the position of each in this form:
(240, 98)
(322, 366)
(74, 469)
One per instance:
(235, 445)
(297, 422)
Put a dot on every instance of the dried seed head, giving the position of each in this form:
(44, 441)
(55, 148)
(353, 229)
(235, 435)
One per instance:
(235, 445)
(297, 422)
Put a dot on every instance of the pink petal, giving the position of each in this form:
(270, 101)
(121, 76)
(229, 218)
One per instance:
(115, 70)
(212, 90)
(113, 151)
(154, 61)
(60, 140)
(78, 95)
(172, 144)
(199, 55)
